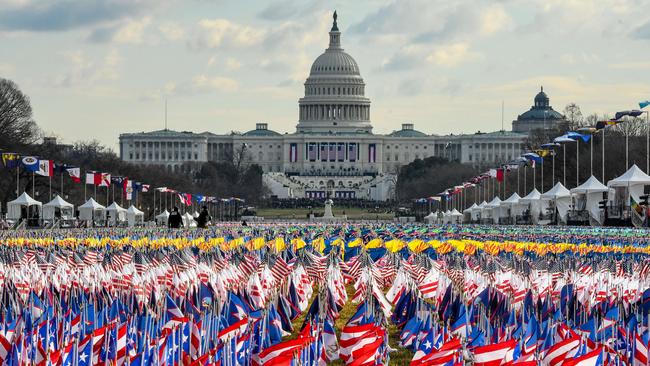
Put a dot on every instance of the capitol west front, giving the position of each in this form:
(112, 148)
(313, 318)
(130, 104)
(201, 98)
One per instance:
(333, 150)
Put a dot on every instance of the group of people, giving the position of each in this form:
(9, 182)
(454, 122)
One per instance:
(175, 220)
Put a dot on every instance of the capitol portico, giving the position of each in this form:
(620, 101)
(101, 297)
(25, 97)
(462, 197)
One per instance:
(333, 151)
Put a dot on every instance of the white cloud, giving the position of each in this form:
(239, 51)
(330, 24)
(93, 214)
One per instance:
(232, 64)
(85, 72)
(452, 55)
(215, 33)
(171, 31)
(216, 83)
(494, 19)
(132, 32)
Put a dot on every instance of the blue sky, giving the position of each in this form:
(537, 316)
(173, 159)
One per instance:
(96, 68)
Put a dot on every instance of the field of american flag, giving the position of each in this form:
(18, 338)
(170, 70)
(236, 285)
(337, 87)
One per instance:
(304, 294)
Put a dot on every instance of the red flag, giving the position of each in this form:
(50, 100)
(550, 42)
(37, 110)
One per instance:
(500, 174)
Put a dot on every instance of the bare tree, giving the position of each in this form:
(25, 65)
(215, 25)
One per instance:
(573, 116)
(17, 127)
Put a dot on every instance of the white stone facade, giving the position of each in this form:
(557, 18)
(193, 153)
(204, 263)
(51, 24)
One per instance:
(333, 151)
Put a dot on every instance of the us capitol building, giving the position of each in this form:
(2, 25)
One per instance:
(333, 151)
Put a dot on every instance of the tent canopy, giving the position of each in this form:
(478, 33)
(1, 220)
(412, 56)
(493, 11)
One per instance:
(92, 204)
(534, 195)
(513, 199)
(494, 203)
(115, 207)
(58, 202)
(591, 185)
(455, 212)
(25, 200)
(134, 210)
(470, 208)
(558, 191)
(633, 176)
(430, 215)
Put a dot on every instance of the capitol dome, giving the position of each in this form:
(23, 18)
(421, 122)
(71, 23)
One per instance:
(334, 100)
(334, 62)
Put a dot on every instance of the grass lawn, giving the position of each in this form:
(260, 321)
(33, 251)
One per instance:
(301, 213)
(400, 357)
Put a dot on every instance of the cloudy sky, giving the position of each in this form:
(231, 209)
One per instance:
(96, 68)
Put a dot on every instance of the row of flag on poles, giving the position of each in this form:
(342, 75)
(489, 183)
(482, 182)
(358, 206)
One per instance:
(129, 187)
(536, 156)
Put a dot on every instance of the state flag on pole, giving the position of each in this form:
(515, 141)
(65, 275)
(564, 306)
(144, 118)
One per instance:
(45, 168)
(127, 187)
(75, 174)
(30, 163)
(104, 180)
(500, 174)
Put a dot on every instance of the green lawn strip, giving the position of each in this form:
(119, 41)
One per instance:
(401, 356)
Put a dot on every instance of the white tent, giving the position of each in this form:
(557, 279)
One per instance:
(115, 214)
(560, 198)
(533, 203)
(446, 217)
(65, 209)
(507, 207)
(455, 216)
(587, 196)
(628, 186)
(162, 218)
(92, 211)
(188, 220)
(478, 211)
(134, 216)
(430, 218)
(467, 213)
(195, 214)
(490, 211)
(31, 206)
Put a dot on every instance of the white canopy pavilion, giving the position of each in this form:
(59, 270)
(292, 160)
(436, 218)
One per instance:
(92, 211)
(533, 203)
(162, 218)
(134, 216)
(477, 212)
(23, 207)
(116, 214)
(506, 214)
(627, 187)
(188, 220)
(490, 213)
(467, 213)
(586, 198)
(560, 198)
(58, 208)
(455, 217)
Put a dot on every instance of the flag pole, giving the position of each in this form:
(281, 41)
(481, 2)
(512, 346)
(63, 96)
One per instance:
(17, 181)
(564, 162)
(591, 158)
(577, 162)
(61, 190)
(33, 185)
(553, 162)
(603, 156)
(50, 177)
(542, 182)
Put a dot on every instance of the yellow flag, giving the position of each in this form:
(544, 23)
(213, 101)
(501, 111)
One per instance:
(279, 244)
(355, 243)
(395, 245)
(298, 243)
(318, 244)
(417, 245)
(374, 243)
(258, 243)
